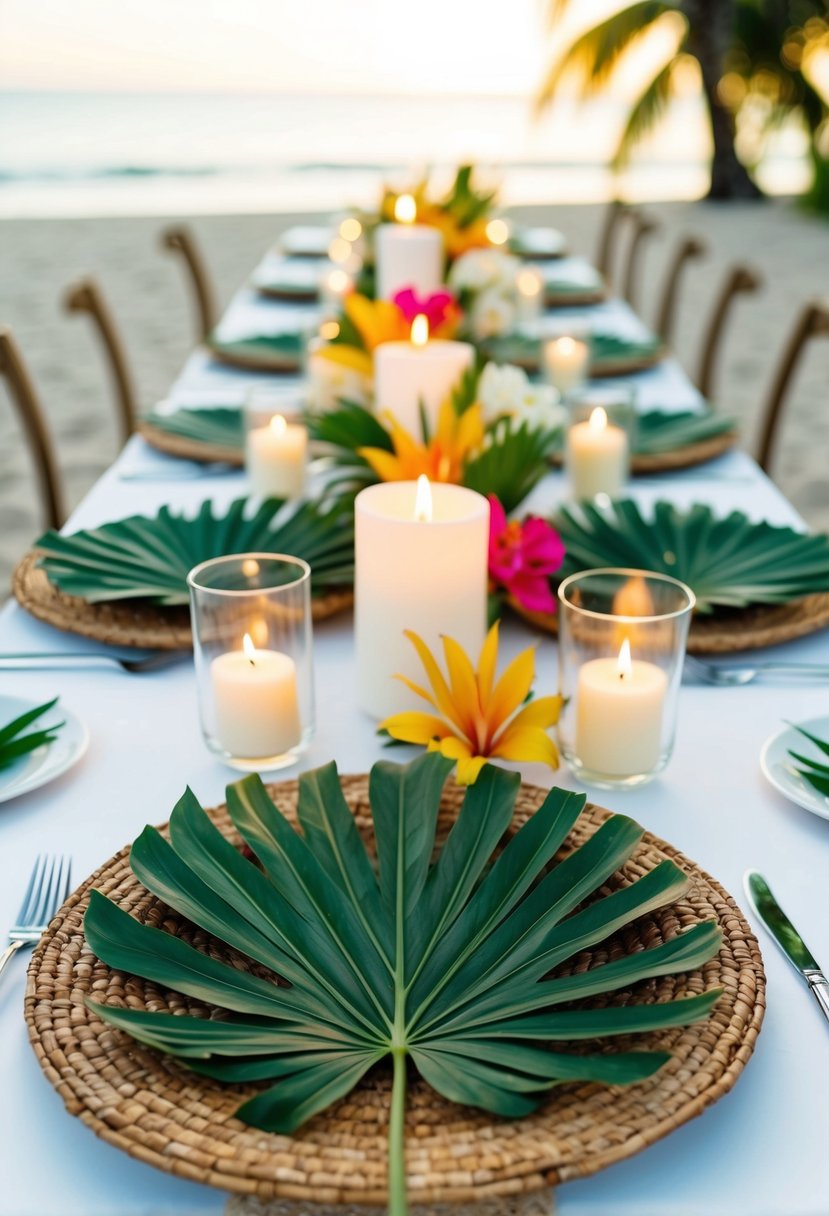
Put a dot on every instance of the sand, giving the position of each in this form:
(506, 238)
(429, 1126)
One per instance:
(39, 258)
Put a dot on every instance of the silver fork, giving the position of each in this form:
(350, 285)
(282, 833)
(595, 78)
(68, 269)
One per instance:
(735, 677)
(48, 887)
(67, 658)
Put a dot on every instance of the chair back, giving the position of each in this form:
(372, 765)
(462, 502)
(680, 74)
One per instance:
(644, 226)
(689, 249)
(813, 322)
(86, 296)
(738, 280)
(616, 215)
(33, 420)
(181, 240)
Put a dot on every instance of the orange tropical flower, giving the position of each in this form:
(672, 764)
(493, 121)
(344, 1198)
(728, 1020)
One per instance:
(475, 718)
(376, 321)
(443, 458)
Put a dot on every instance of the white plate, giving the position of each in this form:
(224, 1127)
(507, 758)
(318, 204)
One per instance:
(46, 762)
(779, 768)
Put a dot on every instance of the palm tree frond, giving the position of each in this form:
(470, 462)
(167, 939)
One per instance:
(646, 112)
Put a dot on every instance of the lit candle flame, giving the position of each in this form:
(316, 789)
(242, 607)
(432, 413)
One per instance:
(405, 209)
(250, 567)
(497, 232)
(420, 330)
(625, 661)
(529, 282)
(423, 500)
(278, 424)
(565, 346)
(249, 649)
(598, 420)
(351, 229)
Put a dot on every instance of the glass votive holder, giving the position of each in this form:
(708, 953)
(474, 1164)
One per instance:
(599, 440)
(622, 636)
(253, 643)
(276, 449)
(566, 361)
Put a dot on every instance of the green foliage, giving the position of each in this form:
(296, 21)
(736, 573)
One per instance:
(445, 961)
(289, 346)
(14, 743)
(814, 772)
(525, 349)
(465, 392)
(512, 463)
(222, 426)
(728, 562)
(464, 202)
(150, 557)
(659, 431)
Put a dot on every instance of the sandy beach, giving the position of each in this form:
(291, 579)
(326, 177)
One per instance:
(39, 258)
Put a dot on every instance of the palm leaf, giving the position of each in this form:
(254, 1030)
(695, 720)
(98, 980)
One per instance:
(524, 349)
(595, 54)
(646, 111)
(442, 960)
(150, 557)
(814, 772)
(659, 431)
(221, 426)
(728, 562)
(14, 743)
(289, 345)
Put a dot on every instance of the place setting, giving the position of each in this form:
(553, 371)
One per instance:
(430, 624)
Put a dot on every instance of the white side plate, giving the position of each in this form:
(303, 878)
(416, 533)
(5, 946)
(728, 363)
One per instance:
(47, 762)
(780, 770)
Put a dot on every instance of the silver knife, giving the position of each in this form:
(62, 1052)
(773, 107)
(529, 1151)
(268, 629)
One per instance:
(787, 937)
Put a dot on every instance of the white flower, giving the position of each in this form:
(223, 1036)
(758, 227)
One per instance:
(330, 382)
(492, 314)
(478, 269)
(507, 392)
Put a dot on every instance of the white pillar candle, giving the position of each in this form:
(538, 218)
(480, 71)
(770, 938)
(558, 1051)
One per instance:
(420, 371)
(419, 570)
(275, 457)
(567, 361)
(597, 457)
(407, 255)
(255, 695)
(619, 707)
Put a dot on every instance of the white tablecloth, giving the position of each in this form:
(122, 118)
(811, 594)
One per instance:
(758, 1152)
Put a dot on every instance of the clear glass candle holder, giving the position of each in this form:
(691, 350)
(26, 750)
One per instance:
(622, 636)
(253, 644)
(276, 445)
(599, 440)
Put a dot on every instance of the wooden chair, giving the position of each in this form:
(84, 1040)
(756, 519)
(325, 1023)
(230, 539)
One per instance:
(615, 217)
(688, 250)
(30, 412)
(644, 226)
(813, 322)
(739, 279)
(87, 296)
(182, 241)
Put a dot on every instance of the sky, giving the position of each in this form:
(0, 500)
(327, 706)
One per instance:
(373, 46)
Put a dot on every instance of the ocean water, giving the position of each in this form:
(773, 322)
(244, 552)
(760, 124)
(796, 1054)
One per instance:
(64, 154)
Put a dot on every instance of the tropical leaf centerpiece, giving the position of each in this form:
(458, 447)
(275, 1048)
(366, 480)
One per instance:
(727, 561)
(150, 557)
(506, 457)
(447, 962)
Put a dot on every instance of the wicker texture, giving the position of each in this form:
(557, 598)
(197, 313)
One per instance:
(735, 629)
(126, 622)
(189, 449)
(150, 1106)
(256, 360)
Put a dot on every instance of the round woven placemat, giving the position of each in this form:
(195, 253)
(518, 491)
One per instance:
(275, 291)
(574, 299)
(150, 1106)
(126, 622)
(255, 360)
(189, 449)
(736, 629)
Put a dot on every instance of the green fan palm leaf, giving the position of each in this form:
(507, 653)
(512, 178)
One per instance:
(442, 958)
(150, 557)
(728, 562)
(646, 111)
(220, 426)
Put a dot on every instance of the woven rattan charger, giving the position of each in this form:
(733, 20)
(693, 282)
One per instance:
(186, 448)
(255, 360)
(126, 622)
(157, 1111)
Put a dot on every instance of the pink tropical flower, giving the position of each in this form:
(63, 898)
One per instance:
(441, 309)
(522, 556)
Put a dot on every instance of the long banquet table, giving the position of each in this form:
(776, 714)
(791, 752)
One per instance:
(758, 1152)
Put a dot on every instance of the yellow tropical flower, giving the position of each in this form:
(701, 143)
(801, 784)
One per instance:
(376, 321)
(443, 458)
(477, 718)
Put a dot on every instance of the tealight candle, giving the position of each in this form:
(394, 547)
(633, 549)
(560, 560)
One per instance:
(275, 457)
(422, 371)
(407, 254)
(619, 707)
(256, 704)
(529, 285)
(597, 457)
(420, 564)
(567, 360)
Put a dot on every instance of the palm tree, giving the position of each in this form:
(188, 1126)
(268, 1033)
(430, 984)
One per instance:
(705, 31)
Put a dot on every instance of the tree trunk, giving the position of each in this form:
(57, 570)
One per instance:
(710, 29)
